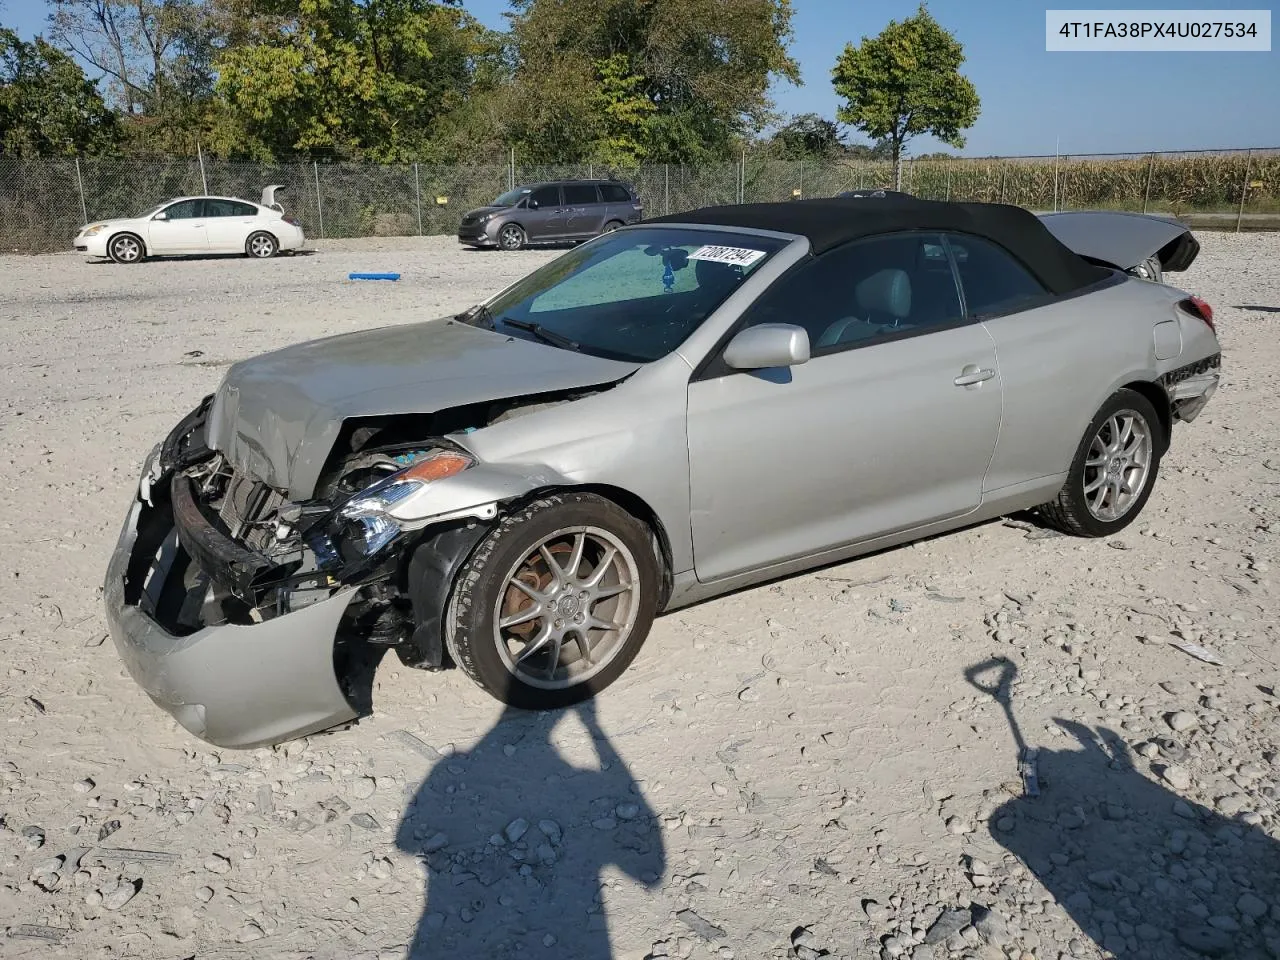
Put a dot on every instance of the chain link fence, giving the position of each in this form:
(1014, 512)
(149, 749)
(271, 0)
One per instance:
(43, 202)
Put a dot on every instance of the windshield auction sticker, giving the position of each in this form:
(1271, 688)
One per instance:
(742, 256)
(1157, 30)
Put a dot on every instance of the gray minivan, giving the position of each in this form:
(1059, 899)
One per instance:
(561, 211)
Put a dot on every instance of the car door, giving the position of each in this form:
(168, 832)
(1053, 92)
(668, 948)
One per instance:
(229, 223)
(1047, 350)
(889, 426)
(545, 217)
(584, 212)
(178, 228)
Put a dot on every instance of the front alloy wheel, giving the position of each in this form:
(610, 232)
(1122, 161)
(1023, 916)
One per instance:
(511, 237)
(125, 248)
(555, 602)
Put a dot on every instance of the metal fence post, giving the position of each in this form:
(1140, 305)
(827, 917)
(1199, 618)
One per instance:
(742, 177)
(511, 171)
(84, 207)
(1004, 172)
(315, 168)
(1055, 183)
(666, 189)
(1146, 196)
(204, 184)
(417, 196)
(1244, 188)
(948, 181)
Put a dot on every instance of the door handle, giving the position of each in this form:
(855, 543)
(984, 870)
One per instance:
(973, 375)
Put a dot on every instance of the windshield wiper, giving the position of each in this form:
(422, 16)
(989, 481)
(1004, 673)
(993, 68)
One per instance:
(543, 334)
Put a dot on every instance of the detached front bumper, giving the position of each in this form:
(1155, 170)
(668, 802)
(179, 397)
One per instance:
(232, 685)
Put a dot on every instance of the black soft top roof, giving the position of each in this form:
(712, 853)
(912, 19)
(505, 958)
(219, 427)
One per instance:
(830, 222)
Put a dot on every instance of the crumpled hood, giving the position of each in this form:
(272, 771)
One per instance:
(276, 416)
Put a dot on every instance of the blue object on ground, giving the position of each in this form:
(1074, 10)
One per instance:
(373, 276)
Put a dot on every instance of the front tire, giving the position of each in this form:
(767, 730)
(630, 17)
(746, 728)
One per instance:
(1113, 471)
(512, 237)
(261, 246)
(555, 602)
(126, 248)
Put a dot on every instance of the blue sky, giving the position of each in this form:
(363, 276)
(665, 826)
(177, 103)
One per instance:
(1087, 102)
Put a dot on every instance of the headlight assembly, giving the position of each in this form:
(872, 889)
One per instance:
(365, 519)
(93, 231)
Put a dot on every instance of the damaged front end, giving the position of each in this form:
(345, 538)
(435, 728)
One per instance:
(252, 618)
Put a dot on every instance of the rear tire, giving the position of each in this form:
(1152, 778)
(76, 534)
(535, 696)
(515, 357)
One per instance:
(611, 226)
(261, 246)
(1113, 471)
(526, 631)
(126, 248)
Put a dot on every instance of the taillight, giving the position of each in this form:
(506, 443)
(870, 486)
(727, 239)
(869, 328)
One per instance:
(1198, 308)
(291, 221)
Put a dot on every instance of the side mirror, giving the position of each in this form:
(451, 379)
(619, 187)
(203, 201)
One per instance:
(533, 204)
(768, 345)
(161, 216)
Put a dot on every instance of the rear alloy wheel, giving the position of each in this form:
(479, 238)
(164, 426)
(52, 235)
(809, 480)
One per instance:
(261, 246)
(512, 237)
(125, 248)
(611, 226)
(555, 602)
(1114, 469)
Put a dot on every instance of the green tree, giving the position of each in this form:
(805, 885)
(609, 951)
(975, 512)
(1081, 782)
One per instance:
(624, 112)
(347, 78)
(155, 60)
(47, 105)
(807, 136)
(905, 82)
(704, 65)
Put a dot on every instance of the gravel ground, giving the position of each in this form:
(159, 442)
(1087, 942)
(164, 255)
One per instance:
(824, 766)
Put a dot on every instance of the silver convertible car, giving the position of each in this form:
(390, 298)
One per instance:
(668, 412)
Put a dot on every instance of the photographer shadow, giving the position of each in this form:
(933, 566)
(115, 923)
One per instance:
(515, 840)
(1144, 873)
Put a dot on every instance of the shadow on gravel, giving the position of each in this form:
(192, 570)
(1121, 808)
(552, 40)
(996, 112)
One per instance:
(1144, 873)
(515, 840)
(1257, 309)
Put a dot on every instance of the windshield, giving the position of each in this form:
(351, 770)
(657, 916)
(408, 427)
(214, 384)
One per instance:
(511, 197)
(633, 295)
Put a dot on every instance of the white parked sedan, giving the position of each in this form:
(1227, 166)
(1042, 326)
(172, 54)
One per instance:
(195, 225)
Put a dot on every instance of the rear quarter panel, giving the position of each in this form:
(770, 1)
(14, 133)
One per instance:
(1060, 362)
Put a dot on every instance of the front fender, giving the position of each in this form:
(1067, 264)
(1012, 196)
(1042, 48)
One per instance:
(475, 492)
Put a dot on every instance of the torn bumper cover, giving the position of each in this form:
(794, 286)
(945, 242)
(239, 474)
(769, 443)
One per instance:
(1192, 386)
(233, 685)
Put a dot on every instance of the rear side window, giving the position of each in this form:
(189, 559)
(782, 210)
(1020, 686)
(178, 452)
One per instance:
(994, 281)
(614, 193)
(576, 194)
(229, 208)
(545, 197)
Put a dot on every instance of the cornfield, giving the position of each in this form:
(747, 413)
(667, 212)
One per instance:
(43, 202)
